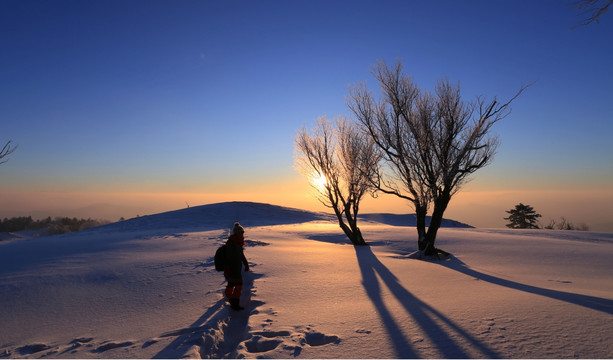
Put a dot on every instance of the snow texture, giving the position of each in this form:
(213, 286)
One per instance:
(147, 288)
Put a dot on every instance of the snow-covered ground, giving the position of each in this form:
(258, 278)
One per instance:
(147, 288)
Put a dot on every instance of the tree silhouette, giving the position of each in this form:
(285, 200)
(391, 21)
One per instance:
(522, 217)
(593, 9)
(431, 142)
(339, 160)
(7, 149)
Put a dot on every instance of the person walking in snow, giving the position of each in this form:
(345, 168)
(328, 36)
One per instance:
(234, 259)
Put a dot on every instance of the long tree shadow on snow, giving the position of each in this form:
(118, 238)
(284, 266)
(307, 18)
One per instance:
(425, 316)
(591, 302)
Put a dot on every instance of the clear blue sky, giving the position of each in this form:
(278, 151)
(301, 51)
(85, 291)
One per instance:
(126, 102)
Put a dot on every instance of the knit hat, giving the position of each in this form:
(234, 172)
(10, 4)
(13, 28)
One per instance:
(237, 229)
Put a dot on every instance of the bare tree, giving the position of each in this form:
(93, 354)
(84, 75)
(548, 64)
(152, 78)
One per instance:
(7, 149)
(592, 9)
(387, 123)
(338, 160)
(432, 141)
(566, 225)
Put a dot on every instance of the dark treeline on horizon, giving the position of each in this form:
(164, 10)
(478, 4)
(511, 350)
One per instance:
(58, 225)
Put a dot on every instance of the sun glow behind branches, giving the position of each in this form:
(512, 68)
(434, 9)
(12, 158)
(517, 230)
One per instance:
(319, 181)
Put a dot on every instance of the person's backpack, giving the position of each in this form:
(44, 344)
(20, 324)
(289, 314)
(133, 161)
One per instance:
(220, 256)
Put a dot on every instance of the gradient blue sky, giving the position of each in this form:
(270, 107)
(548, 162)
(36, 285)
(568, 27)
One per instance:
(151, 104)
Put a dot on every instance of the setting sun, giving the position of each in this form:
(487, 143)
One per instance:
(319, 181)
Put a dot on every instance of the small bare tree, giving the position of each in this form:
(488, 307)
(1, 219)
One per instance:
(566, 225)
(592, 9)
(339, 160)
(432, 142)
(7, 149)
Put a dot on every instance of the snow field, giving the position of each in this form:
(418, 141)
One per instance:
(148, 289)
(385, 306)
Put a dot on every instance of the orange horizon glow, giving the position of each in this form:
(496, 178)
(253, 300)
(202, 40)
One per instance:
(476, 208)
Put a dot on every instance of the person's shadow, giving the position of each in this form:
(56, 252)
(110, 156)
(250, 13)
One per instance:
(591, 302)
(218, 332)
(426, 317)
(187, 336)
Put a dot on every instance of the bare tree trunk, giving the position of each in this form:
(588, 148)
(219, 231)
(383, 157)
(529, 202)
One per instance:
(356, 234)
(440, 205)
(351, 231)
(420, 215)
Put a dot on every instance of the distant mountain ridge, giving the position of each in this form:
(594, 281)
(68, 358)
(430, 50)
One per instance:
(408, 220)
(223, 215)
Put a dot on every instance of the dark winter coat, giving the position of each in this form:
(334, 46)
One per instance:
(235, 258)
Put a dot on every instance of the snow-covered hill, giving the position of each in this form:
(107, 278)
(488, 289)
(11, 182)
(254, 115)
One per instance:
(220, 215)
(146, 287)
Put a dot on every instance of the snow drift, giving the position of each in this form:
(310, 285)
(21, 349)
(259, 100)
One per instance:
(146, 288)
